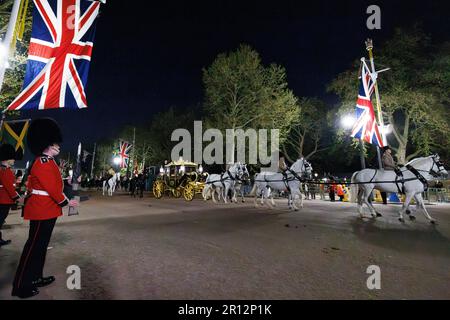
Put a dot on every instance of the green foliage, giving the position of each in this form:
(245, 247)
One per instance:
(15, 74)
(306, 135)
(242, 93)
(414, 93)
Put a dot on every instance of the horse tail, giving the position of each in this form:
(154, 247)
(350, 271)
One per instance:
(354, 188)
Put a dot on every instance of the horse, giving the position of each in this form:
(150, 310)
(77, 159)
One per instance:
(222, 183)
(290, 180)
(415, 174)
(110, 185)
(238, 186)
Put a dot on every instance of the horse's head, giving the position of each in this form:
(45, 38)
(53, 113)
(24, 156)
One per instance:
(246, 174)
(437, 168)
(431, 165)
(302, 168)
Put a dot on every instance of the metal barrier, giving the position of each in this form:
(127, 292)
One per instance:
(435, 195)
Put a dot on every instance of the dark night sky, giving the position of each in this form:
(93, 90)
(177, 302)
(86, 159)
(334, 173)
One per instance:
(149, 56)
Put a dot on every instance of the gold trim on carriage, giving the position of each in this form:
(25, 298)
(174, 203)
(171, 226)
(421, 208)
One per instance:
(180, 178)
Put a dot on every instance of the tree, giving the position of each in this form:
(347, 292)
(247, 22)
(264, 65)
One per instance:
(14, 76)
(241, 93)
(305, 138)
(414, 93)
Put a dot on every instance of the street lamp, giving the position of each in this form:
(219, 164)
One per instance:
(348, 121)
(117, 161)
(316, 174)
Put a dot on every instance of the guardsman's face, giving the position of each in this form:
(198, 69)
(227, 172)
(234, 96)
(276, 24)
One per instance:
(54, 150)
(11, 162)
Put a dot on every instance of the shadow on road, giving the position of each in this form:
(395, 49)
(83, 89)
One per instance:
(426, 240)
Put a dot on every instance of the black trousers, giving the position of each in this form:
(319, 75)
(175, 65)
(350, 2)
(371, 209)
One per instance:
(384, 197)
(332, 194)
(4, 211)
(32, 261)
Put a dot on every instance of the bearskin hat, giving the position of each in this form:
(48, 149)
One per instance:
(43, 132)
(7, 152)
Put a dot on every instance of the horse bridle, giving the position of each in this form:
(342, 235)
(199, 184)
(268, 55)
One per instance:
(440, 166)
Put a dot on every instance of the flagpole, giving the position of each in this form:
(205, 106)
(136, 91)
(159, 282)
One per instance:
(93, 160)
(369, 48)
(6, 43)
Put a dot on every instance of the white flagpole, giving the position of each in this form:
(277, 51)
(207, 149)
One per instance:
(5, 45)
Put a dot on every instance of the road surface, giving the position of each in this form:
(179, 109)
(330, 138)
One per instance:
(171, 249)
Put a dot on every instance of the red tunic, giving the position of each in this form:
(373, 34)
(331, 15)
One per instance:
(8, 193)
(46, 187)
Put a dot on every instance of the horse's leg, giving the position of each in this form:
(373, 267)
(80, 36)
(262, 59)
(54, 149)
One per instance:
(266, 197)
(366, 196)
(213, 192)
(234, 197)
(361, 194)
(419, 200)
(405, 206)
(301, 200)
(255, 199)
(225, 193)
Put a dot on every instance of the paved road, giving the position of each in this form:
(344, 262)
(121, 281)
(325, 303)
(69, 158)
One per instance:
(169, 249)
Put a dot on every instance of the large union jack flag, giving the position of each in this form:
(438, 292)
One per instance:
(124, 153)
(59, 55)
(365, 127)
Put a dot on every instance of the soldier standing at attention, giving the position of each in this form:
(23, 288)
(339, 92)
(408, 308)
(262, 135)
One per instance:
(42, 208)
(8, 193)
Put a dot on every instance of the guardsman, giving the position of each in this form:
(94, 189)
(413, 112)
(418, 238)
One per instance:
(42, 208)
(8, 193)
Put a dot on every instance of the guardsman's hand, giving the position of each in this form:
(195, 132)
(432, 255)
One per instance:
(21, 201)
(74, 203)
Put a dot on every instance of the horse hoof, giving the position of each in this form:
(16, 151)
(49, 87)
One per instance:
(433, 222)
(401, 220)
(379, 215)
(412, 218)
(408, 212)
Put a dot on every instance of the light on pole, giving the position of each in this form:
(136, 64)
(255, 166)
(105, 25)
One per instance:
(348, 121)
(117, 161)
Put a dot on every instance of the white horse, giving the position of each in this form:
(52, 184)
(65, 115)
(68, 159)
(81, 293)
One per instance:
(238, 186)
(110, 185)
(424, 169)
(266, 182)
(221, 184)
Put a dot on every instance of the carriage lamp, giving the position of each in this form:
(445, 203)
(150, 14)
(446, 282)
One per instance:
(70, 172)
(161, 170)
(182, 168)
(316, 174)
(200, 169)
(117, 160)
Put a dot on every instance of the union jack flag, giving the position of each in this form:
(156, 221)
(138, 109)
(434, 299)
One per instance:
(124, 153)
(59, 55)
(365, 127)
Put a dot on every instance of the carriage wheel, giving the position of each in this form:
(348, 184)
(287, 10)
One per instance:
(158, 189)
(189, 192)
